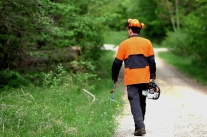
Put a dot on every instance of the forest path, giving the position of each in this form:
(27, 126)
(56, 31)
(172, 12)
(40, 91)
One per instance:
(179, 112)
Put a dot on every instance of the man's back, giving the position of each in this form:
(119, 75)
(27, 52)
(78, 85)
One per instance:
(136, 45)
(134, 52)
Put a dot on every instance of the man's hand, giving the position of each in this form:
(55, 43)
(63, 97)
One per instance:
(152, 76)
(152, 82)
(114, 86)
(114, 80)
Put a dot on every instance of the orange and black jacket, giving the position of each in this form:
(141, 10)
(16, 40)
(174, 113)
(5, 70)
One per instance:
(138, 56)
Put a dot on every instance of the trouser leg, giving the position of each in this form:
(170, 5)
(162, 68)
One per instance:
(136, 109)
(142, 100)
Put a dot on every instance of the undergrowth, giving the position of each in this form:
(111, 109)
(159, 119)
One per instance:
(187, 65)
(60, 107)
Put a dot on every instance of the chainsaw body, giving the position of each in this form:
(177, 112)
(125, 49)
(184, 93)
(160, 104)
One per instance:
(153, 92)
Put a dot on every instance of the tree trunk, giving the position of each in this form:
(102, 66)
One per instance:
(170, 10)
(177, 14)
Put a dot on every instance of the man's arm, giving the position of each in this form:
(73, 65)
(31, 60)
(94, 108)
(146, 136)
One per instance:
(115, 69)
(152, 65)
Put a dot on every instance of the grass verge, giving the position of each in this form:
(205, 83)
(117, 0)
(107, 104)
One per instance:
(62, 110)
(187, 66)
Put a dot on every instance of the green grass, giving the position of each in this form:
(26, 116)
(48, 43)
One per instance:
(61, 110)
(187, 66)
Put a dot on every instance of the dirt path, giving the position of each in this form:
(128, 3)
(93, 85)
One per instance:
(180, 111)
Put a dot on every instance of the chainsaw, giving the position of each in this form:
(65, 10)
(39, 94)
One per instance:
(152, 92)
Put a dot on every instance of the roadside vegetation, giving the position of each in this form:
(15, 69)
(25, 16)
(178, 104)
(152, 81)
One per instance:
(186, 65)
(60, 107)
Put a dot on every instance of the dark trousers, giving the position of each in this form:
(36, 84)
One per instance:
(137, 103)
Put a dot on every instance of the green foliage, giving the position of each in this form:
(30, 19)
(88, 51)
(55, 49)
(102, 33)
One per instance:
(62, 108)
(122, 13)
(58, 112)
(179, 42)
(106, 58)
(190, 39)
(12, 79)
(85, 75)
(195, 24)
(49, 25)
(56, 78)
(22, 26)
(187, 65)
(144, 11)
(115, 37)
(80, 23)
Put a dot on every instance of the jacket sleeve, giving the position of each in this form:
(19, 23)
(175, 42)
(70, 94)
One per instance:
(152, 65)
(116, 68)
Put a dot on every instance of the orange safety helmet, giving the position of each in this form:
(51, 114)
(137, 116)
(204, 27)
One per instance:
(134, 23)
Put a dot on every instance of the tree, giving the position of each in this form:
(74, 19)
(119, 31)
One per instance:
(80, 23)
(168, 11)
(145, 12)
(50, 24)
(21, 24)
(196, 24)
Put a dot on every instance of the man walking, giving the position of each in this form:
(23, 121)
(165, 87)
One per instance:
(140, 69)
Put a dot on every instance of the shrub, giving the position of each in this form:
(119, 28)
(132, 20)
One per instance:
(12, 79)
(178, 42)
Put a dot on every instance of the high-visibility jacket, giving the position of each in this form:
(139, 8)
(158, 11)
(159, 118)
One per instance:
(138, 56)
